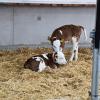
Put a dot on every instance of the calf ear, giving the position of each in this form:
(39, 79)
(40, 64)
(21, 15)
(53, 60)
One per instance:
(49, 38)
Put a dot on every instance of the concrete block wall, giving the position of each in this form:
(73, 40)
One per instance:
(32, 25)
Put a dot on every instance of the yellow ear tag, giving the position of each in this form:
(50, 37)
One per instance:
(62, 40)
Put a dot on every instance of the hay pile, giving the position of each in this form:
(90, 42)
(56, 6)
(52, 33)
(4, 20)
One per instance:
(70, 81)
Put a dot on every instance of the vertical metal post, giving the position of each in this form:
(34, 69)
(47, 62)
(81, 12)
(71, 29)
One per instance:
(95, 95)
(95, 75)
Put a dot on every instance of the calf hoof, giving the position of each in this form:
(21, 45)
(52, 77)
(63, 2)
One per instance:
(74, 59)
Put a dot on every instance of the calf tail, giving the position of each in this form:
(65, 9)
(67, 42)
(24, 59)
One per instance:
(84, 30)
(25, 65)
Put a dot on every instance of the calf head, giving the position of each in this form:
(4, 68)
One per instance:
(59, 58)
(56, 44)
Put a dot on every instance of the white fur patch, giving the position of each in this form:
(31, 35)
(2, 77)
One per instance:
(74, 39)
(42, 66)
(45, 56)
(61, 32)
(37, 58)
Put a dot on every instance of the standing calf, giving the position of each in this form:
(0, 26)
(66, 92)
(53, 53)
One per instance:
(65, 34)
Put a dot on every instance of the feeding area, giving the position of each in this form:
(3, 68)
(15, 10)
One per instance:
(71, 81)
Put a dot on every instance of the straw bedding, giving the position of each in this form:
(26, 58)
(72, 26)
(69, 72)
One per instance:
(70, 82)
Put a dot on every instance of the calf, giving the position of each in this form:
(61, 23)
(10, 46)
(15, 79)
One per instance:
(65, 34)
(41, 62)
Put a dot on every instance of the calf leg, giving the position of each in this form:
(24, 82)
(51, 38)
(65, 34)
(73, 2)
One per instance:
(74, 55)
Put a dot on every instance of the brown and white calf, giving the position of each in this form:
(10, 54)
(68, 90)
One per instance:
(39, 63)
(65, 34)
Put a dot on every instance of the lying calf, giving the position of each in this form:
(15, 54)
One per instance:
(41, 62)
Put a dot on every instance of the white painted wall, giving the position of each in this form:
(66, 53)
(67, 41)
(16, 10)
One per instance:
(51, 1)
(32, 25)
(6, 25)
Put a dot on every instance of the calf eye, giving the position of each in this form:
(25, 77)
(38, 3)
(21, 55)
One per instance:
(56, 56)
